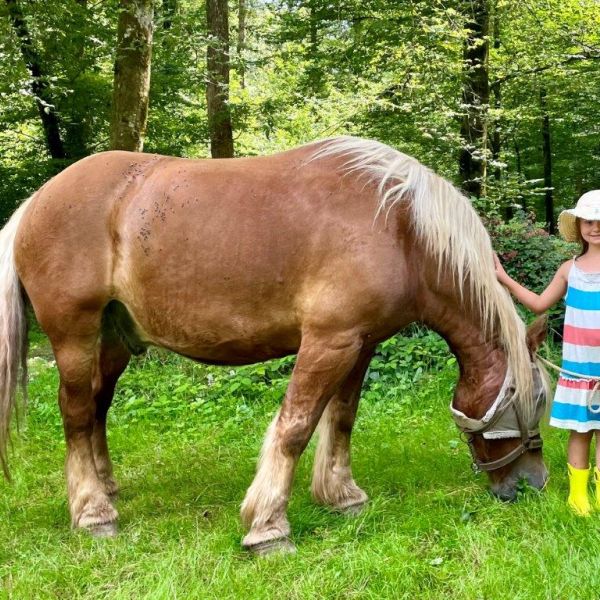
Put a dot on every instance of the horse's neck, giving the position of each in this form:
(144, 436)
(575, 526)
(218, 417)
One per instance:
(482, 362)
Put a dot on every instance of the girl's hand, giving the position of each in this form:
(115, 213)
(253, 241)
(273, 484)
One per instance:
(501, 274)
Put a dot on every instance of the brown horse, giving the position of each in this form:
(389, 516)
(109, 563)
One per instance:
(322, 251)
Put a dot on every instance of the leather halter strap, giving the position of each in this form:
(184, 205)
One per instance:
(529, 443)
(526, 443)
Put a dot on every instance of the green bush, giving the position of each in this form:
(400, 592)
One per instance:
(160, 384)
(403, 360)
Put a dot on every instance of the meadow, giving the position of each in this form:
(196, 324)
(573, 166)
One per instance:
(184, 441)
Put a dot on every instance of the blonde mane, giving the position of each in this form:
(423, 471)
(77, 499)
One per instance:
(451, 231)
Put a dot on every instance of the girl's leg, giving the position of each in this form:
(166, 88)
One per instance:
(579, 471)
(578, 449)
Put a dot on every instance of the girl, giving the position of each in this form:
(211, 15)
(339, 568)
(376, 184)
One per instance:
(578, 281)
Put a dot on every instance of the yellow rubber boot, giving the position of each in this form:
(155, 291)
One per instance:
(578, 491)
(597, 482)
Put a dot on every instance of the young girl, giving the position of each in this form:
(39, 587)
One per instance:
(575, 401)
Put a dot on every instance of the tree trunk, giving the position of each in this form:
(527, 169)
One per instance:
(475, 99)
(315, 80)
(39, 83)
(496, 142)
(241, 41)
(520, 175)
(132, 75)
(547, 157)
(217, 88)
(169, 8)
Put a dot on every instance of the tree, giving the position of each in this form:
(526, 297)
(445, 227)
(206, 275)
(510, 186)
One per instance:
(475, 99)
(39, 83)
(132, 75)
(217, 87)
(241, 40)
(547, 154)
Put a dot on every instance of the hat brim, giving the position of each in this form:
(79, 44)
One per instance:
(567, 222)
(568, 226)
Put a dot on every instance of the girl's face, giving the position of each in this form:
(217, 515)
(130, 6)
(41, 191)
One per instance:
(590, 232)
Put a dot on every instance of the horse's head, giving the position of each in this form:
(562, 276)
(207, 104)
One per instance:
(505, 442)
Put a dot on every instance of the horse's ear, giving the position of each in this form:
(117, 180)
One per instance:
(536, 333)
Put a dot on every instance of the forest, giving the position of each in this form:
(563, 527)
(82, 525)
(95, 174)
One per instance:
(498, 96)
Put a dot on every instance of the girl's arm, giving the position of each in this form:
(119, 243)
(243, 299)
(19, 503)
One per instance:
(538, 303)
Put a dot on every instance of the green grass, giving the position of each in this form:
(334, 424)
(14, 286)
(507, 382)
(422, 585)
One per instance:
(431, 529)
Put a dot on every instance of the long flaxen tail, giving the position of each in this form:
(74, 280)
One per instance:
(13, 333)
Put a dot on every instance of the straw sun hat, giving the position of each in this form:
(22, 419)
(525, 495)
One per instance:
(587, 208)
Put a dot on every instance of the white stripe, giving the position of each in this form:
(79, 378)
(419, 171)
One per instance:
(575, 425)
(581, 354)
(576, 317)
(588, 282)
(566, 395)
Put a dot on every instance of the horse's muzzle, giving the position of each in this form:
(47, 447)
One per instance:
(529, 468)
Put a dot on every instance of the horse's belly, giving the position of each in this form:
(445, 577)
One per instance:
(217, 337)
(238, 352)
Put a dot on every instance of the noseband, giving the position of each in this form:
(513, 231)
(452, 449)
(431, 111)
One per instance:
(503, 420)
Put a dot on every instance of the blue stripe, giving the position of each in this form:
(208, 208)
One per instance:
(583, 368)
(572, 412)
(582, 299)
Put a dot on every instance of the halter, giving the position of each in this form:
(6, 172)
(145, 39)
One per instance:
(503, 420)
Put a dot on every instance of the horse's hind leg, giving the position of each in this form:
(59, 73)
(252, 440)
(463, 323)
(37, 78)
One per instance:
(77, 358)
(112, 360)
(332, 483)
(321, 366)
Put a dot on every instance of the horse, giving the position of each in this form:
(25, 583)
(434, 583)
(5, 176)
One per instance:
(322, 251)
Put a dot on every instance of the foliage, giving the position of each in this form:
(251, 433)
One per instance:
(383, 69)
(402, 361)
(163, 384)
(165, 388)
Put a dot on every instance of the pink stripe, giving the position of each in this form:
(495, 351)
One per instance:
(581, 336)
(576, 384)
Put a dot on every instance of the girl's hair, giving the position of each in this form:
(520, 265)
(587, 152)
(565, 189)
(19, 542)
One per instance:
(582, 243)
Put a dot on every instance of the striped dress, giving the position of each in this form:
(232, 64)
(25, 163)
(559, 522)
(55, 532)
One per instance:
(581, 354)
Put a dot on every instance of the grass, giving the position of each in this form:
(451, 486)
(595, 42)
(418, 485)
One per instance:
(431, 529)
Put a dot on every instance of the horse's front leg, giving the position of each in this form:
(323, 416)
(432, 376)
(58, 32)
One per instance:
(333, 484)
(321, 366)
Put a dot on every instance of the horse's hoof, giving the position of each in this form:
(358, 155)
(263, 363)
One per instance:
(282, 545)
(103, 530)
